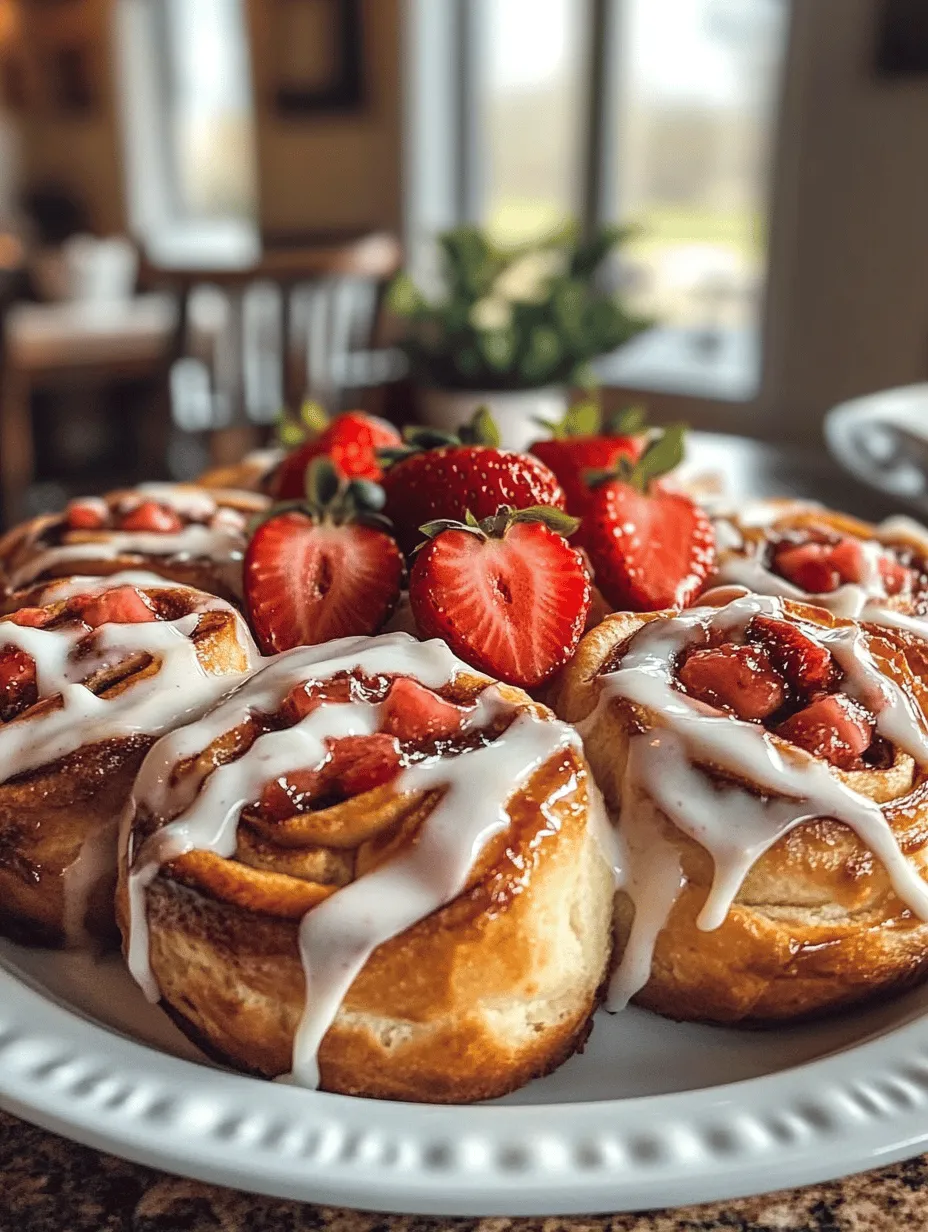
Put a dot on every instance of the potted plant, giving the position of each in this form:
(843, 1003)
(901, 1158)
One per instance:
(511, 328)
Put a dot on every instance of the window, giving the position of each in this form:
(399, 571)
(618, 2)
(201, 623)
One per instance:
(656, 113)
(530, 114)
(188, 114)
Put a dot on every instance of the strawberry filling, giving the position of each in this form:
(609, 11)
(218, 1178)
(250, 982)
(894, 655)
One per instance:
(834, 727)
(416, 715)
(739, 679)
(80, 516)
(18, 690)
(150, 516)
(413, 720)
(31, 617)
(820, 567)
(806, 666)
(123, 605)
(781, 678)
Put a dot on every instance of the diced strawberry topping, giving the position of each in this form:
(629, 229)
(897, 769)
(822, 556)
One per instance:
(361, 763)
(416, 715)
(807, 666)
(85, 516)
(306, 698)
(124, 605)
(150, 516)
(291, 793)
(740, 679)
(894, 575)
(17, 682)
(808, 566)
(834, 727)
(31, 617)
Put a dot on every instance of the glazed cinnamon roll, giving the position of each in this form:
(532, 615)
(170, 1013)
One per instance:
(87, 684)
(375, 871)
(765, 763)
(804, 552)
(179, 532)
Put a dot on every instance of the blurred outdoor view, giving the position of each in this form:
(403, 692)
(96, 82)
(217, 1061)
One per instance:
(694, 126)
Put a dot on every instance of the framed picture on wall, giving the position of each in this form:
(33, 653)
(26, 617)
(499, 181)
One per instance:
(318, 56)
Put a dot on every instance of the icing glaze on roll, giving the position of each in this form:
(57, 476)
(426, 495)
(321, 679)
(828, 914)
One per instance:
(473, 786)
(736, 825)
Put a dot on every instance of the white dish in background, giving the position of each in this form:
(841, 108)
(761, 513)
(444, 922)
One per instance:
(882, 440)
(654, 1113)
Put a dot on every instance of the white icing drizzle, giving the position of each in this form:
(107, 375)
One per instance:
(733, 824)
(179, 691)
(59, 589)
(338, 936)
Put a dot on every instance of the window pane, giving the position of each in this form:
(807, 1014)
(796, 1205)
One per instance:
(698, 92)
(530, 113)
(210, 133)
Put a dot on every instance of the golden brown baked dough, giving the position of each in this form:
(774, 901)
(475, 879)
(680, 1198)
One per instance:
(67, 767)
(474, 997)
(816, 923)
(205, 551)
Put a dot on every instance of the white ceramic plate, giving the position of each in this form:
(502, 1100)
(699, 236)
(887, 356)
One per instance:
(882, 440)
(654, 1113)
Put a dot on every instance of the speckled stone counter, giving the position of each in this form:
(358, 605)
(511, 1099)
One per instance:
(50, 1185)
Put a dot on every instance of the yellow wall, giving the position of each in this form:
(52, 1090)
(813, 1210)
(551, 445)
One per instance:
(321, 172)
(330, 171)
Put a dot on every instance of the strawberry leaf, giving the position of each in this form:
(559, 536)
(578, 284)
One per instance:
(481, 430)
(366, 496)
(290, 433)
(322, 482)
(555, 519)
(314, 417)
(630, 421)
(582, 419)
(662, 455)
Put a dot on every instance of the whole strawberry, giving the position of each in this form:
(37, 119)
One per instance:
(508, 594)
(442, 476)
(322, 568)
(650, 548)
(351, 440)
(580, 442)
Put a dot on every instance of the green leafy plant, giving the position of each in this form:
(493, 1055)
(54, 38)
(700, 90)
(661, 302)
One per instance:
(514, 318)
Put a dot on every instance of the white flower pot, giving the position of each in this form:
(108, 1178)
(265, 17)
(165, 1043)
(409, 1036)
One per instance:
(514, 410)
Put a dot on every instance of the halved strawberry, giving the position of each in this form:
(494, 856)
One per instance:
(581, 443)
(509, 595)
(89, 514)
(807, 666)
(808, 566)
(18, 690)
(416, 715)
(740, 679)
(443, 476)
(834, 727)
(150, 516)
(321, 570)
(650, 548)
(123, 605)
(351, 441)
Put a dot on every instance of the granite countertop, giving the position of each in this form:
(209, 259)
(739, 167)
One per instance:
(50, 1185)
